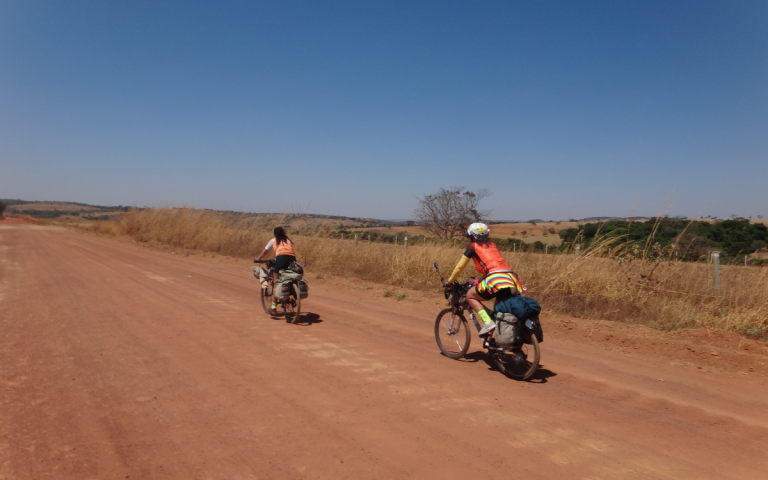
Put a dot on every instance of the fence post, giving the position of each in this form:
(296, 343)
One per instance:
(546, 248)
(406, 242)
(578, 250)
(355, 239)
(716, 269)
(514, 247)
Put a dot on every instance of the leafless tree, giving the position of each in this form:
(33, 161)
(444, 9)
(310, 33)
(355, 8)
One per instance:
(449, 212)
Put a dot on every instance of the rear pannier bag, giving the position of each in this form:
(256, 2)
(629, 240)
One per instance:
(284, 289)
(506, 329)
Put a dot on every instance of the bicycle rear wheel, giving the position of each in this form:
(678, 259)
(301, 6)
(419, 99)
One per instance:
(292, 305)
(521, 363)
(452, 334)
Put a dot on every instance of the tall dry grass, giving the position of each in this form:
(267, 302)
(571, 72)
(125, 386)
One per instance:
(665, 294)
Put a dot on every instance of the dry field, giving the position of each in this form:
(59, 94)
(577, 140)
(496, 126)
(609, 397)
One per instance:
(666, 295)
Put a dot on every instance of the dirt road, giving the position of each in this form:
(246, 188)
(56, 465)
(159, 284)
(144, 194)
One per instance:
(120, 361)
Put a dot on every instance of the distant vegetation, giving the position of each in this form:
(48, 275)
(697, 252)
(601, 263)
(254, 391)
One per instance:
(690, 240)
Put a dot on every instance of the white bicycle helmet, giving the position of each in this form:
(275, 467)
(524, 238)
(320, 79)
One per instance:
(478, 231)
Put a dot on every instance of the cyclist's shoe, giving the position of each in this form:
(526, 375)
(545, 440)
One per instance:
(273, 310)
(488, 328)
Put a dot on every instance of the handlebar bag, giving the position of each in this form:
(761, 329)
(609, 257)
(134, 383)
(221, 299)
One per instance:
(261, 274)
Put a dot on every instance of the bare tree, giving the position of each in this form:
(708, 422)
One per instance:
(449, 212)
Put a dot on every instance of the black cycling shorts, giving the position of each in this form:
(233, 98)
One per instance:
(282, 262)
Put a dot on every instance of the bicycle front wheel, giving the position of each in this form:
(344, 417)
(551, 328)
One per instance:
(292, 305)
(521, 363)
(452, 334)
(266, 298)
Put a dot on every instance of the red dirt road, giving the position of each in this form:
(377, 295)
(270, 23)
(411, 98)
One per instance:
(119, 361)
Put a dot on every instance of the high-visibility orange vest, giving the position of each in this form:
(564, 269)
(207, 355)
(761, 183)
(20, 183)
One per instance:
(488, 259)
(285, 248)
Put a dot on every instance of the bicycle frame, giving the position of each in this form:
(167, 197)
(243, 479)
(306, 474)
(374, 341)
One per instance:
(463, 305)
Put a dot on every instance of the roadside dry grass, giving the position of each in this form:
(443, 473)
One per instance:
(666, 295)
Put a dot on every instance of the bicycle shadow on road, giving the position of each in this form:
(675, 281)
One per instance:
(308, 319)
(541, 375)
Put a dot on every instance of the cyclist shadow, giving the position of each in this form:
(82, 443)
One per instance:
(308, 319)
(541, 375)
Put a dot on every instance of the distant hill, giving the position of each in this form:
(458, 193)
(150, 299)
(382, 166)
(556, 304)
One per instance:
(53, 209)
(61, 210)
(12, 201)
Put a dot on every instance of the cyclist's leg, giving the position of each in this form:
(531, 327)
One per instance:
(490, 288)
(475, 300)
(474, 297)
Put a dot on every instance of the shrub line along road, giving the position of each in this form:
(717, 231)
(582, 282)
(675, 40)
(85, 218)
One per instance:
(120, 361)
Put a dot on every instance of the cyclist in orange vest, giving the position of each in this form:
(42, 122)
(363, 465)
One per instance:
(499, 281)
(284, 255)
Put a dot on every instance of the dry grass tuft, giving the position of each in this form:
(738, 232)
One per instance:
(623, 286)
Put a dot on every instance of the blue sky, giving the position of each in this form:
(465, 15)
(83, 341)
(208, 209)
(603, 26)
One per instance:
(561, 109)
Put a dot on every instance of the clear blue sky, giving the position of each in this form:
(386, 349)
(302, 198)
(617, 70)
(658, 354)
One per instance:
(563, 109)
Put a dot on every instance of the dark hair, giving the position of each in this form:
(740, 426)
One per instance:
(280, 236)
